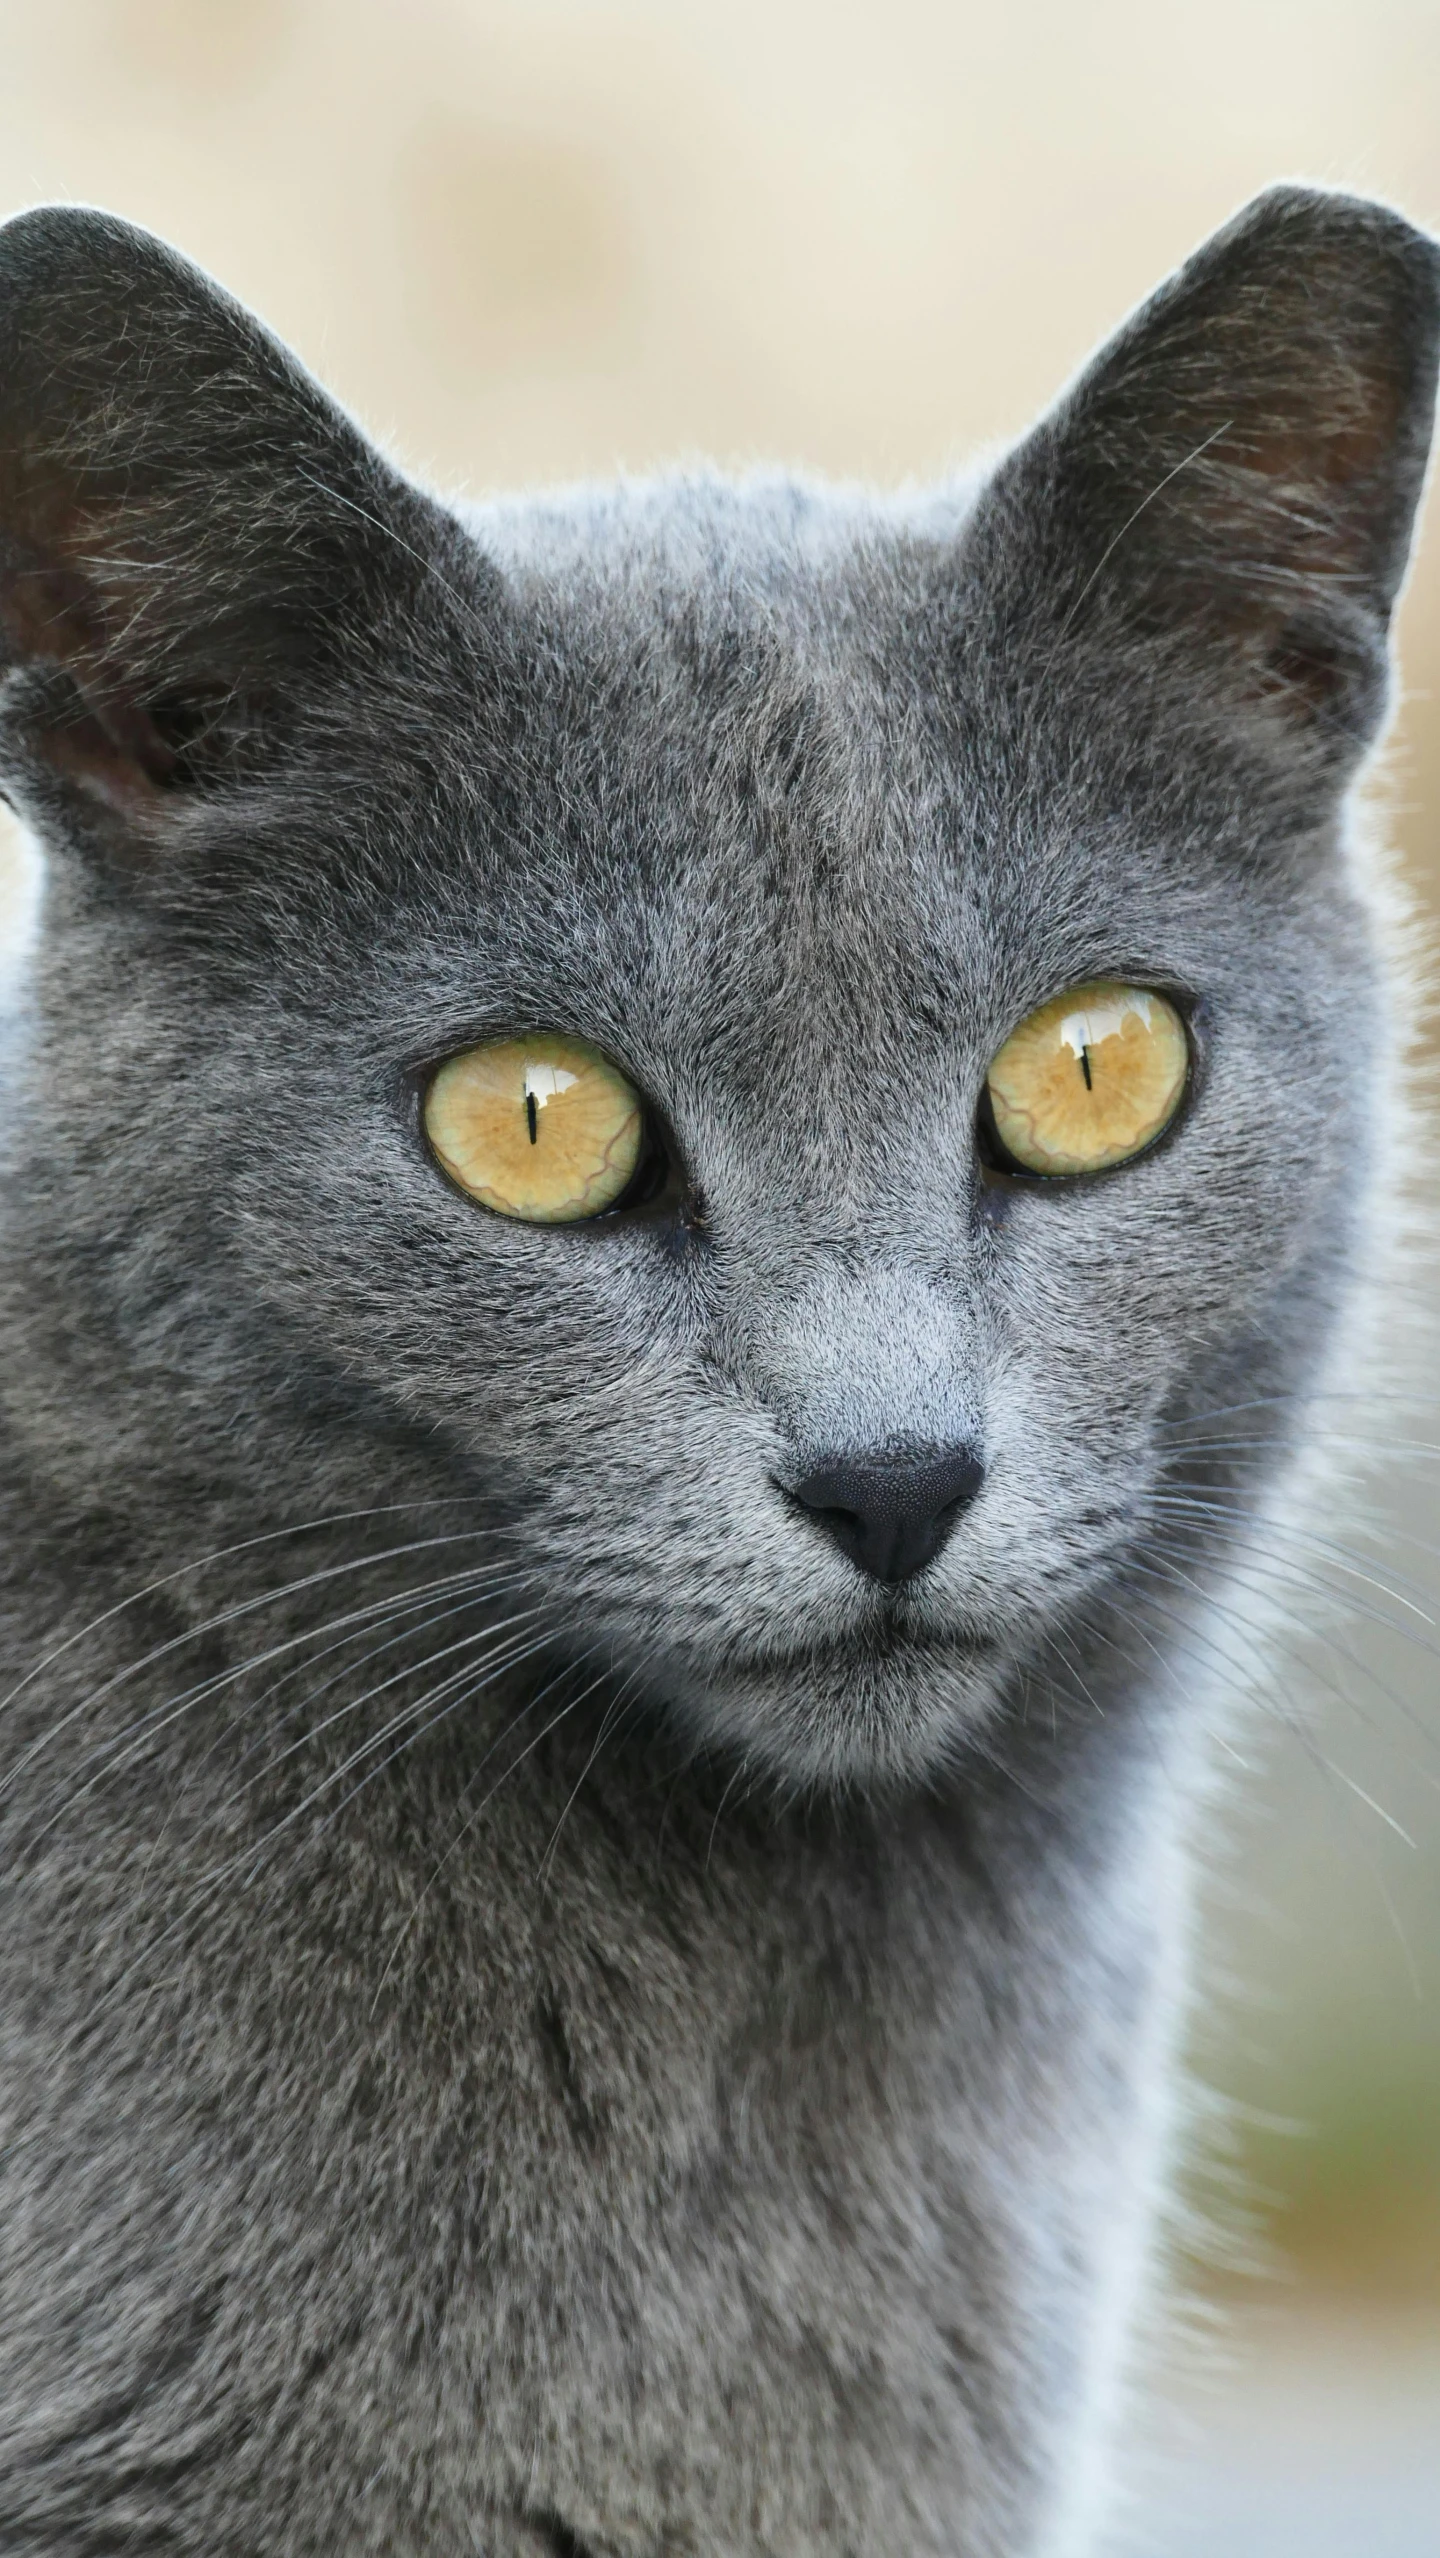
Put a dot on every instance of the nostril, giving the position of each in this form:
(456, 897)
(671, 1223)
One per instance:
(890, 1515)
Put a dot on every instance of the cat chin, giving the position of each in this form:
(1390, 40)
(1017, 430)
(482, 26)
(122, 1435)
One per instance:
(842, 1717)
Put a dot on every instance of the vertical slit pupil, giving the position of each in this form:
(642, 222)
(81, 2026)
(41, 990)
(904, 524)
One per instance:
(532, 1115)
(1085, 1069)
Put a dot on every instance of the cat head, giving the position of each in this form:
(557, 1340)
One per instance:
(766, 815)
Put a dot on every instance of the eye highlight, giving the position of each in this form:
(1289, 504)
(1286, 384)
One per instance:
(1089, 1079)
(542, 1128)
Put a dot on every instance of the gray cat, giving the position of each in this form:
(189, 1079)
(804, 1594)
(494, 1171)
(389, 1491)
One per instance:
(680, 1167)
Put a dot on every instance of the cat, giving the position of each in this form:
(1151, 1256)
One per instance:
(681, 1168)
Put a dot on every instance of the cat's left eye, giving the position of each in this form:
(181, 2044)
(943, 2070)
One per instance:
(542, 1128)
(1088, 1080)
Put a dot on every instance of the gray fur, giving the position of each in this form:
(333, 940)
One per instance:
(684, 2071)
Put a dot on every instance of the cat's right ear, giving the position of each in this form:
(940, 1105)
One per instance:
(1222, 504)
(194, 541)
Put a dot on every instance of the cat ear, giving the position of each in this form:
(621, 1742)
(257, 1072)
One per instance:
(191, 533)
(1234, 477)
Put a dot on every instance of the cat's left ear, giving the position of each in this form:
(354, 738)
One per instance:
(194, 540)
(1232, 481)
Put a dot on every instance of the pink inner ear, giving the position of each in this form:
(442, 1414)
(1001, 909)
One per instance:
(111, 742)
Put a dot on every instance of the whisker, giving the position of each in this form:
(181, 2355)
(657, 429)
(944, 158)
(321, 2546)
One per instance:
(740, 1774)
(617, 1705)
(1309, 1633)
(510, 1659)
(1372, 1518)
(1322, 1766)
(1371, 1451)
(472, 1593)
(473, 1816)
(381, 1687)
(111, 1766)
(1280, 1561)
(156, 1718)
(1298, 1532)
(1303, 1399)
(1264, 1630)
(229, 1616)
(253, 1707)
(255, 1856)
(1167, 1663)
(1280, 1610)
(204, 1563)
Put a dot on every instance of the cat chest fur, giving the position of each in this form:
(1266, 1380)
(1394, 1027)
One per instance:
(696, 2185)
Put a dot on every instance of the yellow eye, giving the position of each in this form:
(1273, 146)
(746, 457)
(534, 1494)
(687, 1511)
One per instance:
(1089, 1079)
(542, 1128)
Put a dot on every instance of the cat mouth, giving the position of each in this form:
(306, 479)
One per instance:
(884, 1644)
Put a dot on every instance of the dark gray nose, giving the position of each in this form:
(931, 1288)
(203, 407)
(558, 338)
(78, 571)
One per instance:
(891, 1518)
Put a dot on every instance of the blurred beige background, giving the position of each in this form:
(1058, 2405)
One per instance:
(556, 237)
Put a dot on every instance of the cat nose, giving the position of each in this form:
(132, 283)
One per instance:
(891, 1516)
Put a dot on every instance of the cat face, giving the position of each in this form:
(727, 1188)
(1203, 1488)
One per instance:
(792, 806)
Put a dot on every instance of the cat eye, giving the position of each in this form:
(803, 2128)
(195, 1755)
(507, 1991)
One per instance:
(1090, 1079)
(542, 1128)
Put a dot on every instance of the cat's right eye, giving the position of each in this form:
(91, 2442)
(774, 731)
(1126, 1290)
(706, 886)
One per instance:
(543, 1128)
